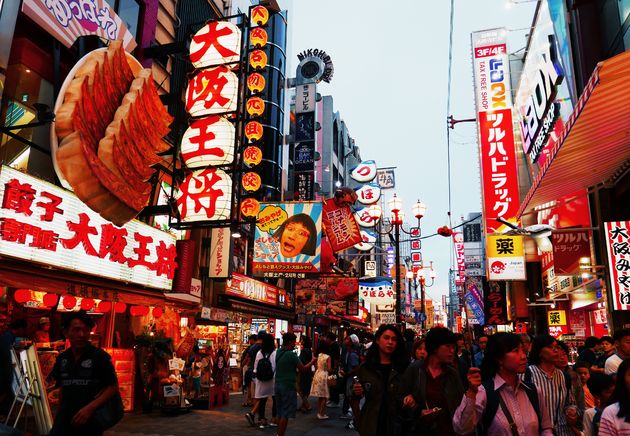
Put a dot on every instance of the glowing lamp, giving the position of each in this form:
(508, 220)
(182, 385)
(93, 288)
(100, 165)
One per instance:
(252, 156)
(50, 300)
(120, 307)
(258, 37)
(104, 306)
(253, 131)
(69, 302)
(212, 91)
(255, 106)
(208, 141)
(218, 42)
(258, 59)
(22, 295)
(251, 182)
(395, 204)
(250, 207)
(157, 312)
(255, 82)
(419, 209)
(259, 15)
(433, 274)
(87, 304)
(205, 195)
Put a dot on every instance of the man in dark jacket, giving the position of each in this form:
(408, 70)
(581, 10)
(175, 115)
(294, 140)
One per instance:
(434, 386)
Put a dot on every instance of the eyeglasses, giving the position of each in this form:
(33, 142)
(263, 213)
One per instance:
(297, 231)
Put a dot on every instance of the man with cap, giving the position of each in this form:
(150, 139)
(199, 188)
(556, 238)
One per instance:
(43, 332)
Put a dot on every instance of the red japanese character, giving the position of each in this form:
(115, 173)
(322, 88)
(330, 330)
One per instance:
(211, 39)
(205, 136)
(13, 231)
(200, 189)
(18, 197)
(82, 231)
(165, 263)
(50, 207)
(142, 252)
(208, 85)
(46, 240)
(113, 242)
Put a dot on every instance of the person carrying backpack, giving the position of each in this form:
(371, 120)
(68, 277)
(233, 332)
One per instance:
(264, 374)
(503, 404)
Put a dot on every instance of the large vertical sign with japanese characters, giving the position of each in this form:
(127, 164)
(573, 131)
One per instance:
(495, 304)
(287, 240)
(618, 244)
(458, 241)
(341, 227)
(43, 223)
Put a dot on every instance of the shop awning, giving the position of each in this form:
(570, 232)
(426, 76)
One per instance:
(594, 146)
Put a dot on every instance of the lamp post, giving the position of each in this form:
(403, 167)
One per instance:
(397, 218)
(423, 285)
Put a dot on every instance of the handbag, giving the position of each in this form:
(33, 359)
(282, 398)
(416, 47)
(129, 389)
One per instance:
(110, 413)
(331, 381)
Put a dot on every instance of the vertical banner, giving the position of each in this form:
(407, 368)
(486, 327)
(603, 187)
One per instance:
(495, 304)
(340, 226)
(474, 299)
(458, 240)
(287, 240)
(219, 253)
(617, 239)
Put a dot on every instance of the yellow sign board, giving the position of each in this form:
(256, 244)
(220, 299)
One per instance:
(505, 246)
(556, 317)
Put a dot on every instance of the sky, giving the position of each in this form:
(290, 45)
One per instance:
(390, 87)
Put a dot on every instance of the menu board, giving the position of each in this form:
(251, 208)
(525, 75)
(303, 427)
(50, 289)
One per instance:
(124, 362)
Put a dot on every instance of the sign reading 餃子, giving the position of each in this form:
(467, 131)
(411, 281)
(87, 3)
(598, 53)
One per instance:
(68, 20)
(337, 296)
(494, 116)
(43, 223)
(506, 260)
(618, 244)
(246, 287)
(287, 239)
(341, 227)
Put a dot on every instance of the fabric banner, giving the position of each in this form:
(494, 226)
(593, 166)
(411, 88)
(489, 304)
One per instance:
(337, 296)
(340, 225)
(617, 239)
(474, 298)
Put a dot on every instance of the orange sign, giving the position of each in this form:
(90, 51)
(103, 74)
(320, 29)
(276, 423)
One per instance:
(251, 182)
(255, 106)
(253, 131)
(252, 156)
(250, 207)
(256, 82)
(258, 59)
(260, 15)
(258, 37)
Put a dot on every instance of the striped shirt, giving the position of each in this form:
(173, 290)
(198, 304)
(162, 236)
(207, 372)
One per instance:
(611, 424)
(556, 397)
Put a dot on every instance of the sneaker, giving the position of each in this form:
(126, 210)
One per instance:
(273, 424)
(332, 404)
(250, 418)
(322, 416)
(350, 426)
(347, 416)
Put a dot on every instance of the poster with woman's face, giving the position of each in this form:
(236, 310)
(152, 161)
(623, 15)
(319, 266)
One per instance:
(287, 239)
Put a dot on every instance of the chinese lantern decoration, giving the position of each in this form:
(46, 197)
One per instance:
(205, 195)
(139, 310)
(251, 182)
(255, 106)
(252, 156)
(208, 141)
(256, 82)
(69, 302)
(50, 300)
(104, 306)
(258, 59)
(157, 312)
(260, 15)
(214, 91)
(215, 43)
(253, 131)
(22, 295)
(120, 307)
(445, 231)
(258, 37)
(250, 207)
(87, 304)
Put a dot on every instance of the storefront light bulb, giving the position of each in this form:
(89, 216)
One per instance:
(553, 305)
(544, 244)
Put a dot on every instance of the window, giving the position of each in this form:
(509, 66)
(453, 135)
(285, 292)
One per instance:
(129, 12)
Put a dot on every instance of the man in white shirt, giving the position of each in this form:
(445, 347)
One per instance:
(622, 343)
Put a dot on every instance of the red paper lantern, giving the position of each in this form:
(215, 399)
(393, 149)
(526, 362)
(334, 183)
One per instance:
(22, 295)
(104, 306)
(144, 310)
(133, 311)
(157, 312)
(87, 304)
(120, 307)
(50, 300)
(69, 302)
(445, 231)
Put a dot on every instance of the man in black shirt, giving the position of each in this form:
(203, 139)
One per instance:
(86, 377)
(335, 355)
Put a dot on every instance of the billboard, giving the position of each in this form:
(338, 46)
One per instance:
(617, 243)
(287, 239)
(341, 227)
(506, 258)
(337, 296)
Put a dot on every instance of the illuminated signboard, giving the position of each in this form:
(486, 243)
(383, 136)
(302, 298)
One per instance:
(43, 223)
(245, 287)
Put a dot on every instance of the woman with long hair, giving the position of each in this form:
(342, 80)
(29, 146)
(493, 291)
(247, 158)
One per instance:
(380, 381)
(616, 417)
(305, 377)
(263, 389)
(319, 386)
(502, 402)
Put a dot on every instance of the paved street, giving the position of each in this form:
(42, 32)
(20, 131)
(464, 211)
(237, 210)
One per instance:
(226, 421)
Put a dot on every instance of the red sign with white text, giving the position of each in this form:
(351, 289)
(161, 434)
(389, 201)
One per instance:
(341, 226)
(245, 287)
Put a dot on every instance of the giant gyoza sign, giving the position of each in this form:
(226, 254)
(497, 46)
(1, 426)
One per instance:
(43, 223)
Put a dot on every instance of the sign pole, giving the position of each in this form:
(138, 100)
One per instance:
(397, 241)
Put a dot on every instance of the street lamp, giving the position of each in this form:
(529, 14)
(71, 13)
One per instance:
(423, 284)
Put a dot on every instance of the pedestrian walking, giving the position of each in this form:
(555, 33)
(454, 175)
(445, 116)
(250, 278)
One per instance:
(319, 387)
(434, 386)
(557, 392)
(615, 418)
(349, 366)
(583, 371)
(90, 401)
(264, 375)
(305, 378)
(287, 365)
(601, 386)
(622, 347)
(571, 378)
(419, 350)
(247, 369)
(607, 348)
(482, 342)
(380, 381)
(502, 405)
(335, 355)
(590, 353)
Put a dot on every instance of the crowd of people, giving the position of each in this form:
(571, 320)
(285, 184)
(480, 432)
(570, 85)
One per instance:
(395, 383)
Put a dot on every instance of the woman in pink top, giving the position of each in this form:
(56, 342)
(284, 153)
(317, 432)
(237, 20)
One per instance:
(615, 419)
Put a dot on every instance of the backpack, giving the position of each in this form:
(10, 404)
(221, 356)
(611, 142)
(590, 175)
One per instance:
(492, 404)
(264, 369)
(596, 420)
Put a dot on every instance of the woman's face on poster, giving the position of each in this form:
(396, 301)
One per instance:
(294, 238)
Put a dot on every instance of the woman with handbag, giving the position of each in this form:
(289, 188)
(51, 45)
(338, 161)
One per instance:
(319, 386)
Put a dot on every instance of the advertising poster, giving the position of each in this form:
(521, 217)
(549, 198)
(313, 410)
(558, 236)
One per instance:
(506, 258)
(617, 242)
(287, 240)
(337, 296)
(474, 299)
(340, 226)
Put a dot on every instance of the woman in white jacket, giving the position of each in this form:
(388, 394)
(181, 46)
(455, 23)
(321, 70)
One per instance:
(263, 389)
